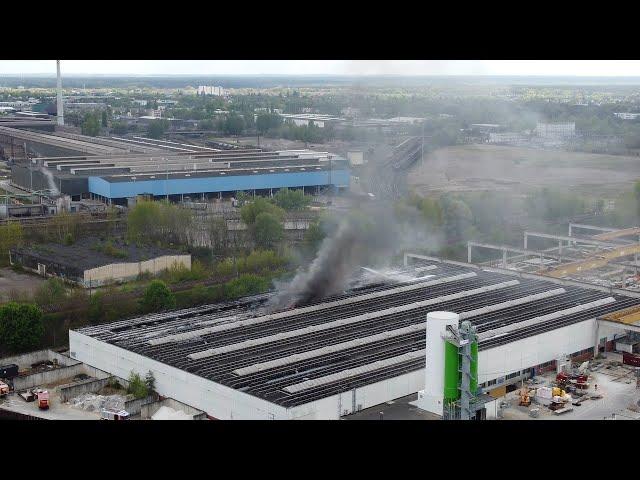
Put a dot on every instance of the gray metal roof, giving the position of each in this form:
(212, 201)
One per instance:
(353, 339)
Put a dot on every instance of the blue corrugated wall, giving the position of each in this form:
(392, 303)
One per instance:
(177, 186)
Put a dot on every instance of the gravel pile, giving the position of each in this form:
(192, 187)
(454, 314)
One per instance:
(95, 403)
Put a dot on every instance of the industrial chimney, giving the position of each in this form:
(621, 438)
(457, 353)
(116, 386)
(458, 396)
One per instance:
(60, 112)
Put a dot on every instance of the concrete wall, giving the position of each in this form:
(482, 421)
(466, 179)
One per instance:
(25, 360)
(68, 368)
(216, 400)
(30, 381)
(126, 271)
(149, 409)
(90, 385)
(134, 405)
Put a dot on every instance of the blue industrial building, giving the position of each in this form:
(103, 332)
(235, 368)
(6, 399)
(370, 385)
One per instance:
(115, 187)
(119, 177)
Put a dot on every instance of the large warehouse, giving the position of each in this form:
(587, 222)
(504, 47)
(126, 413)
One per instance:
(356, 350)
(116, 169)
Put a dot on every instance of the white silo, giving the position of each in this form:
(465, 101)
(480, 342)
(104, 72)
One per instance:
(432, 397)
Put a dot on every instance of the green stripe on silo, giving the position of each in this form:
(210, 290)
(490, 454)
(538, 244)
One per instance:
(474, 367)
(451, 374)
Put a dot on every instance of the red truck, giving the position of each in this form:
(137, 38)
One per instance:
(43, 400)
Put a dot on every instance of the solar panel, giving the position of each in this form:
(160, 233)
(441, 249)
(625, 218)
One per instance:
(346, 321)
(353, 372)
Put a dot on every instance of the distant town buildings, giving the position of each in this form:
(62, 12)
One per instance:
(209, 90)
(304, 119)
(508, 138)
(556, 130)
(627, 115)
(85, 106)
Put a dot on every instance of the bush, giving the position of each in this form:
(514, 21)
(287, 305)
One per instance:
(157, 296)
(291, 199)
(21, 326)
(245, 285)
(179, 273)
(137, 386)
(114, 383)
(51, 292)
(225, 268)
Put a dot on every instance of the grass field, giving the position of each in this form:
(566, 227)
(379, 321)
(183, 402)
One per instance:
(491, 167)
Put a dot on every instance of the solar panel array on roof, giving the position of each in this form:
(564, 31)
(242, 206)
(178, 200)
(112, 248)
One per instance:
(352, 339)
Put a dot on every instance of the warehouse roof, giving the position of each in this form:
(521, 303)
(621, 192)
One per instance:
(359, 337)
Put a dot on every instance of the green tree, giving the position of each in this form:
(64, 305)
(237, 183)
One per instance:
(11, 236)
(105, 119)
(119, 128)
(234, 124)
(291, 199)
(91, 125)
(137, 386)
(218, 234)
(150, 381)
(157, 128)
(314, 236)
(267, 121)
(268, 230)
(143, 219)
(21, 326)
(250, 211)
(157, 296)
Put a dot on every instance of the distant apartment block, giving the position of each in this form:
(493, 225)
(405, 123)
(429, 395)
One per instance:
(209, 90)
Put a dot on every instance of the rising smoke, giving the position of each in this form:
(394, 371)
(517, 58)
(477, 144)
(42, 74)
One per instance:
(50, 181)
(369, 236)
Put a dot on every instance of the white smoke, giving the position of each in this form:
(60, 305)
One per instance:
(51, 181)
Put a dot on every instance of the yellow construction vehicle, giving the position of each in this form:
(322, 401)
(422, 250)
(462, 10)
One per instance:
(525, 398)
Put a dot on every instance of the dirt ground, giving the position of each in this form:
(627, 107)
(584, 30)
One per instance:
(514, 169)
(21, 282)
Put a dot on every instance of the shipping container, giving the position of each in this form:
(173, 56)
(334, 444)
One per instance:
(9, 371)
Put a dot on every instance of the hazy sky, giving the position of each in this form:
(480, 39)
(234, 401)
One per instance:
(329, 67)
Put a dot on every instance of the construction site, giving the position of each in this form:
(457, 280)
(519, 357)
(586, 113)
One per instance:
(603, 256)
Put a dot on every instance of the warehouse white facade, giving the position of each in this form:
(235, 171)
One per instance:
(254, 373)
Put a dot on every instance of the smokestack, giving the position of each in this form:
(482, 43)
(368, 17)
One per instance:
(59, 106)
